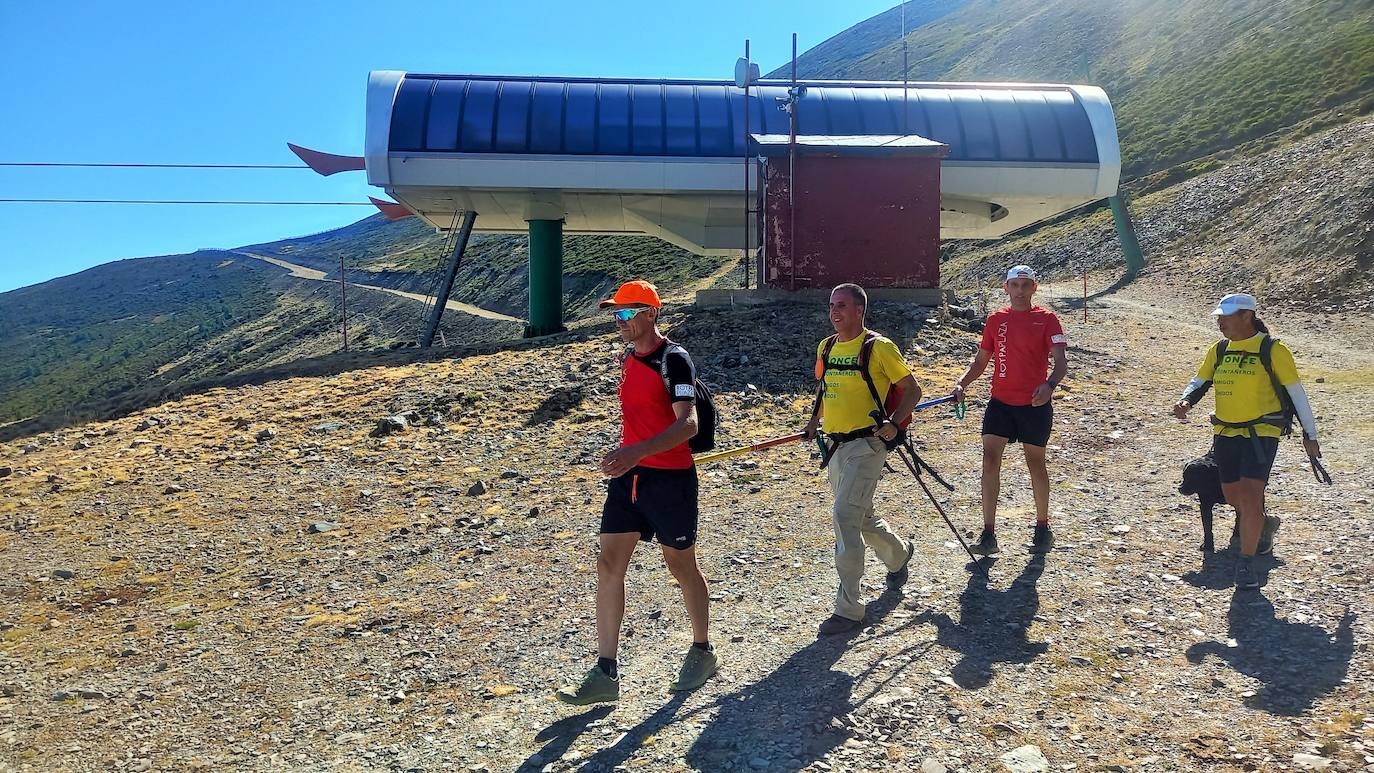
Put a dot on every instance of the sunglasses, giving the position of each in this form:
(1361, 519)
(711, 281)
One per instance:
(625, 315)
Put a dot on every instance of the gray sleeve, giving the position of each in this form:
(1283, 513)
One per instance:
(1304, 409)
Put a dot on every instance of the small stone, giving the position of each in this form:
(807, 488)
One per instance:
(1025, 759)
(931, 766)
(62, 695)
(759, 763)
(173, 489)
(509, 474)
(266, 435)
(1121, 528)
(390, 425)
(323, 526)
(534, 512)
(5, 472)
(1304, 761)
(63, 574)
(477, 489)
(396, 697)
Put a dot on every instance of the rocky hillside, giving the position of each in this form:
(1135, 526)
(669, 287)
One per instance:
(1187, 77)
(265, 576)
(1293, 224)
(151, 323)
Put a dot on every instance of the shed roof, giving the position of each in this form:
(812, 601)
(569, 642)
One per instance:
(1032, 123)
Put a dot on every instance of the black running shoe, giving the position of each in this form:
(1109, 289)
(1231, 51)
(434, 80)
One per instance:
(1266, 540)
(986, 544)
(1042, 540)
(1246, 579)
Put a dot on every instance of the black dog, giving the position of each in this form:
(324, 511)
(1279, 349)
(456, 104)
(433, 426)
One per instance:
(1200, 478)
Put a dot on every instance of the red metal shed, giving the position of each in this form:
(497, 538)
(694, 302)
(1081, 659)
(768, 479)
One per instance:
(863, 209)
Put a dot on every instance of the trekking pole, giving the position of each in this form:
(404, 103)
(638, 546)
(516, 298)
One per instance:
(1318, 471)
(777, 441)
(915, 464)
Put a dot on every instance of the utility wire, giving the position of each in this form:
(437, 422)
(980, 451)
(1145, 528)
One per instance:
(189, 201)
(150, 166)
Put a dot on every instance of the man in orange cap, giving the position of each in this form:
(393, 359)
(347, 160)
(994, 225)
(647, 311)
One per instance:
(652, 491)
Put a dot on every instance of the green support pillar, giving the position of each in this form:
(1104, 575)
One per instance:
(546, 278)
(1125, 232)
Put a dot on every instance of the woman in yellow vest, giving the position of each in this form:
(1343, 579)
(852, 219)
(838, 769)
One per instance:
(1251, 415)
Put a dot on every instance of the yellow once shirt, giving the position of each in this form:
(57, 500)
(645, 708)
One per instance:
(1244, 391)
(847, 400)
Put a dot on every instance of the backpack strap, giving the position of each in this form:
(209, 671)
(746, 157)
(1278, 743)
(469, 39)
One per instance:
(865, 353)
(825, 366)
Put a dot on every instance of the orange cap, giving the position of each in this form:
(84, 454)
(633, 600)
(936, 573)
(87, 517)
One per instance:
(636, 291)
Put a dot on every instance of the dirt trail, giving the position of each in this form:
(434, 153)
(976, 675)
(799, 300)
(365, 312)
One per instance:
(309, 273)
(197, 591)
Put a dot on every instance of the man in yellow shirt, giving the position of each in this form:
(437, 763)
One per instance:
(855, 464)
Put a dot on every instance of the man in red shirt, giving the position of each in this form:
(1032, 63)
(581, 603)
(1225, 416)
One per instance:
(652, 492)
(1018, 340)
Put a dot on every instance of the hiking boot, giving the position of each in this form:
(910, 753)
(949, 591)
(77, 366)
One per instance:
(986, 544)
(1266, 540)
(1042, 540)
(897, 579)
(835, 624)
(1246, 579)
(596, 687)
(697, 667)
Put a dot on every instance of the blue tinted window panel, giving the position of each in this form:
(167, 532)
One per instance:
(479, 116)
(681, 117)
(736, 99)
(512, 117)
(1013, 141)
(980, 137)
(579, 127)
(1045, 143)
(844, 112)
(714, 117)
(877, 114)
(445, 105)
(1079, 143)
(917, 121)
(646, 120)
(774, 119)
(546, 118)
(408, 114)
(812, 117)
(944, 122)
(613, 137)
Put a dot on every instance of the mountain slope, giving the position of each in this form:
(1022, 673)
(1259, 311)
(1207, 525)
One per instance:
(1186, 77)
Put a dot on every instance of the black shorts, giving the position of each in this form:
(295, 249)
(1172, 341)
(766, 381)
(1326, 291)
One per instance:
(653, 502)
(1028, 424)
(1238, 458)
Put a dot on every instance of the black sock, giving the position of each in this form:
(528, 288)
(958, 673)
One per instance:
(608, 667)
(703, 645)
(988, 530)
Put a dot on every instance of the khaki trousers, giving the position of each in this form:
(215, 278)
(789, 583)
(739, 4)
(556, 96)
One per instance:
(854, 472)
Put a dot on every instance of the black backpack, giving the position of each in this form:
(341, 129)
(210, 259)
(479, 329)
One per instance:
(1283, 420)
(705, 402)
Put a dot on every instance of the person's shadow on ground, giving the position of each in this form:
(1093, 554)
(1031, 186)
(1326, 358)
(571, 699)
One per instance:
(1218, 570)
(559, 737)
(793, 716)
(992, 625)
(1296, 663)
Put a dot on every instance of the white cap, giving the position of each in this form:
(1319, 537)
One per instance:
(1230, 304)
(1022, 272)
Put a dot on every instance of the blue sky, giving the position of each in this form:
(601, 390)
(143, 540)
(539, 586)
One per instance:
(163, 82)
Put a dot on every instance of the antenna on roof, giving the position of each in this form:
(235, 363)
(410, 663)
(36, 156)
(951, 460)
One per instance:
(905, 130)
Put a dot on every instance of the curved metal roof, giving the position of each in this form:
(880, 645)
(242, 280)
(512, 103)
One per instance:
(574, 116)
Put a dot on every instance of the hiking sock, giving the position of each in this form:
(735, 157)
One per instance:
(608, 667)
(704, 645)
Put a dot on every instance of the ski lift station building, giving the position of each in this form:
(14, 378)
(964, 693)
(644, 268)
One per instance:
(670, 158)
